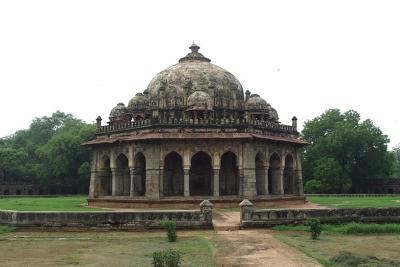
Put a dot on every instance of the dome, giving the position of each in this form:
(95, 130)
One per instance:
(139, 101)
(194, 72)
(255, 102)
(118, 111)
(199, 100)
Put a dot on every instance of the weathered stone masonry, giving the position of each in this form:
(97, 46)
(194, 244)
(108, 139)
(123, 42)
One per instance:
(194, 134)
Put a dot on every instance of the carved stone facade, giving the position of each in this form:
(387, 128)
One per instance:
(193, 134)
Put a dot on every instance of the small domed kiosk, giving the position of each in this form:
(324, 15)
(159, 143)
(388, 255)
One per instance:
(193, 134)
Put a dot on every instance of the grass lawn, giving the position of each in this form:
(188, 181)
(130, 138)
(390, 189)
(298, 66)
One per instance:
(70, 203)
(352, 250)
(101, 248)
(356, 202)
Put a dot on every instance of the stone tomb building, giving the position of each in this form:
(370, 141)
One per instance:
(194, 134)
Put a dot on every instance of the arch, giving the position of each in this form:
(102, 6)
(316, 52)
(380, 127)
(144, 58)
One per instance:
(228, 175)
(173, 175)
(274, 174)
(200, 175)
(260, 173)
(122, 176)
(288, 175)
(139, 173)
(105, 177)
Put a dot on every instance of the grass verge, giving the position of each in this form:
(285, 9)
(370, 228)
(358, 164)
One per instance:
(69, 203)
(350, 228)
(356, 202)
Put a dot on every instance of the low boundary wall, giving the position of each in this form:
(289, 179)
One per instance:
(109, 220)
(352, 195)
(265, 218)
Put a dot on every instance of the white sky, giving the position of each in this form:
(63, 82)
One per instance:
(83, 57)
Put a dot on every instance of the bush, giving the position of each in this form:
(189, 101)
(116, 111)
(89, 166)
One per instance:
(312, 187)
(170, 226)
(315, 227)
(167, 258)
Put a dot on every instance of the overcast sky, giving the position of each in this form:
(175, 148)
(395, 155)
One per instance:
(303, 57)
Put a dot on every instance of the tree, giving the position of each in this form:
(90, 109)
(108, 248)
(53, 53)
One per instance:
(344, 151)
(49, 153)
(396, 162)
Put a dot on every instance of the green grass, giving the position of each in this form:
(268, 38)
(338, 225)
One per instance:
(70, 203)
(102, 248)
(350, 228)
(356, 202)
(346, 250)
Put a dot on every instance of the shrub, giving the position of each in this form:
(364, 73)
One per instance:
(313, 186)
(6, 229)
(170, 226)
(315, 227)
(167, 258)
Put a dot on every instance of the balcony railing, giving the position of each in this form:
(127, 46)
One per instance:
(240, 125)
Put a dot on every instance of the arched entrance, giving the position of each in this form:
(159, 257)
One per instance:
(274, 175)
(260, 174)
(200, 175)
(139, 175)
(105, 177)
(122, 177)
(288, 175)
(228, 175)
(173, 175)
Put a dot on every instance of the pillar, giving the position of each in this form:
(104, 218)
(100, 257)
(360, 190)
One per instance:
(280, 183)
(266, 182)
(186, 187)
(114, 178)
(216, 182)
(132, 177)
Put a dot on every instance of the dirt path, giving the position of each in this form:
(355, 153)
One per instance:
(236, 247)
(257, 248)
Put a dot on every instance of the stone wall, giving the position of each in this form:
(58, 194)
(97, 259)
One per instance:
(264, 218)
(110, 220)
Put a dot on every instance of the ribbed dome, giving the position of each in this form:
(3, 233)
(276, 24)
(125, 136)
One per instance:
(194, 72)
(199, 100)
(118, 111)
(255, 102)
(139, 101)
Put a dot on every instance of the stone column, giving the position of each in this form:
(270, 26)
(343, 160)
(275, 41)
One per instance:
(299, 176)
(115, 185)
(249, 183)
(266, 182)
(280, 183)
(246, 210)
(132, 177)
(186, 186)
(216, 182)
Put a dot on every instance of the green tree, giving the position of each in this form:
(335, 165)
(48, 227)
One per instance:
(49, 152)
(396, 162)
(62, 158)
(344, 150)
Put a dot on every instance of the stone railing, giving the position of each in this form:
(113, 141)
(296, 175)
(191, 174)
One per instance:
(242, 125)
(265, 218)
(114, 220)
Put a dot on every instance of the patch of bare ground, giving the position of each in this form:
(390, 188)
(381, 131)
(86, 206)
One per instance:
(251, 248)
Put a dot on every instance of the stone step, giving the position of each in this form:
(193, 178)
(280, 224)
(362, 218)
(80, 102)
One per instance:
(226, 227)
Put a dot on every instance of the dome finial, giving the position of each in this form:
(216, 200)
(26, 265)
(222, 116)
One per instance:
(194, 47)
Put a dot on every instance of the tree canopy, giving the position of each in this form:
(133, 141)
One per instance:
(344, 150)
(49, 153)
